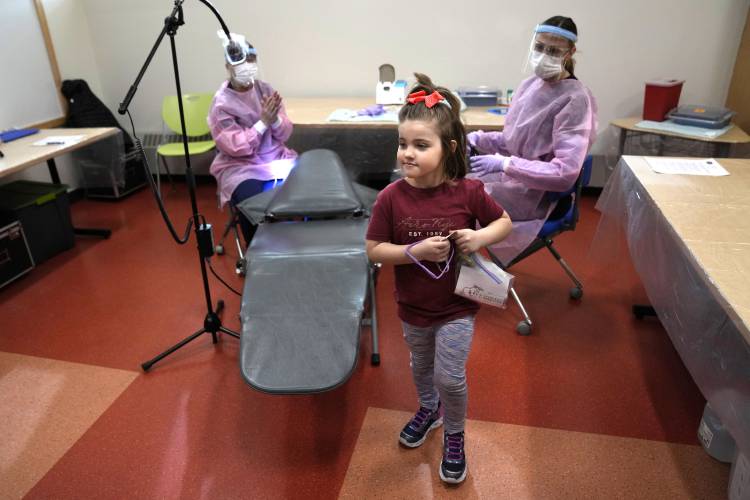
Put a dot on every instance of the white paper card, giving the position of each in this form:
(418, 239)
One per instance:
(684, 166)
(59, 140)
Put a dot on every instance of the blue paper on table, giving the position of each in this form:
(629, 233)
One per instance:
(499, 111)
(12, 135)
(670, 126)
(349, 115)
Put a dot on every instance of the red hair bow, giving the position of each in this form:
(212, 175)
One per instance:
(421, 96)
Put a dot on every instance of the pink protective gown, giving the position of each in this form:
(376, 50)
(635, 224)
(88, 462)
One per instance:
(244, 152)
(548, 132)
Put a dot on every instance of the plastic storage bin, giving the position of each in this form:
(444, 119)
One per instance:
(479, 96)
(44, 212)
(702, 116)
(660, 97)
(15, 255)
(107, 170)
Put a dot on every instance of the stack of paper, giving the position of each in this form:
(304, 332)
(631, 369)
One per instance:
(685, 166)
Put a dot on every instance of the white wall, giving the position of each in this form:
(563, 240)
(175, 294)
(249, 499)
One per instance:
(334, 47)
(69, 29)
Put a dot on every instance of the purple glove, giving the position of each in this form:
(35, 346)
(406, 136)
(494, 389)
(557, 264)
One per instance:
(487, 164)
(473, 137)
(374, 110)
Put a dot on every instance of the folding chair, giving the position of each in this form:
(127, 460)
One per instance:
(195, 107)
(563, 218)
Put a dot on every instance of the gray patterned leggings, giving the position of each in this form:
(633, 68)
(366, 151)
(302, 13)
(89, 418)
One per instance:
(438, 365)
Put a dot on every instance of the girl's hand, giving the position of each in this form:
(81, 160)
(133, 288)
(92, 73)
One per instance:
(467, 240)
(433, 249)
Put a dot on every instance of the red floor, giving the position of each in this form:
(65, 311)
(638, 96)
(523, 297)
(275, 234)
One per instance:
(192, 428)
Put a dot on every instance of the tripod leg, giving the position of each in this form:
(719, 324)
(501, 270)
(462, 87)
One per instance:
(229, 332)
(219, 308)
(148, 364)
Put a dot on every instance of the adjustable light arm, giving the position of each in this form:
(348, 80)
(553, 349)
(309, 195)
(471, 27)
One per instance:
(172, 22)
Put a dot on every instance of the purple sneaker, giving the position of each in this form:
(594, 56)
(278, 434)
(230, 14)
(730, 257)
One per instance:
(415, 432)
(453, 466)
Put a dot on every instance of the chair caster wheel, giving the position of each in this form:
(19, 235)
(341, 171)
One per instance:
(375, 360)
(576, 293)
(240, 267)
(219, 249)
(523, 328)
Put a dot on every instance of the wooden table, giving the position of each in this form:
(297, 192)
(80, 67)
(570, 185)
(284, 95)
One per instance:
(21, 154)
(367, 149)
(314, 112)
(722, 144)
(689, 240)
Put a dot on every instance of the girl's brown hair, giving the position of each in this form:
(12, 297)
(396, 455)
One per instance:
(448, 120)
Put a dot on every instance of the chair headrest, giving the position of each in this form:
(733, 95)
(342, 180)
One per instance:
(318, 186)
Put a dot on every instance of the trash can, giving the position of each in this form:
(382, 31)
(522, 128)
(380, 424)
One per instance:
(107, 170)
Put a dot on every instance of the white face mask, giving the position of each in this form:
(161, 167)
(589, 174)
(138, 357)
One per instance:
(245, 73)
(546, 66)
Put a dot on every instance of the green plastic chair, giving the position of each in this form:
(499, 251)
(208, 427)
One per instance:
(196, 108)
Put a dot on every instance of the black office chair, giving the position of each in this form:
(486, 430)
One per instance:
(563, 218)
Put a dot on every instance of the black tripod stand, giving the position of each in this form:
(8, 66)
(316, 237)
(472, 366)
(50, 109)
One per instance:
(212, 322)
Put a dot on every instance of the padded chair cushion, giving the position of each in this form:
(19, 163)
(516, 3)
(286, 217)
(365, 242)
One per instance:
(317, 187)
(302, 304)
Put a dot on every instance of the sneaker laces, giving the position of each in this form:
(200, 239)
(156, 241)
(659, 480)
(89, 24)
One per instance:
(421, 417)
(454, 446)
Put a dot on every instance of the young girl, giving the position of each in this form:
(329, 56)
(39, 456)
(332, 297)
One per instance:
(409, 227)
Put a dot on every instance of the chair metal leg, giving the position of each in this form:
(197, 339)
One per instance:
(231, 225)
(219, 248)
(577, 291)
(241, 265)
(169, 174)
(524, 326)
(375, 358)
(237, 240)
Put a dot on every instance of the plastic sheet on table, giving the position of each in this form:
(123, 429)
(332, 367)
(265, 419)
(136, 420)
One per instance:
(704, 328)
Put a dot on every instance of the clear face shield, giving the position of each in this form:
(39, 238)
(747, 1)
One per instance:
(241, 58)
(547, 50)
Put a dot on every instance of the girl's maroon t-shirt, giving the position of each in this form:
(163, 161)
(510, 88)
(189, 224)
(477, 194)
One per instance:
(403, 215)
